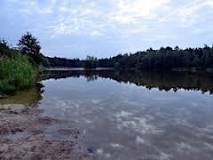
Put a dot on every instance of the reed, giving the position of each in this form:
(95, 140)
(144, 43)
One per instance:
(16, 73)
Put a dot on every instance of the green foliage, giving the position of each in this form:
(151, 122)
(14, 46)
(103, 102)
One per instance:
(161, 59)
(4, 48)
(16, 73)
(90, 62)
(62, 62)
(29, 45)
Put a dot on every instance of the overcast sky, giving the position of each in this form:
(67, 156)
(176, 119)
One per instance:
(102, 28)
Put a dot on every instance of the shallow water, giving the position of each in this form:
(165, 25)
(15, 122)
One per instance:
(131, 115)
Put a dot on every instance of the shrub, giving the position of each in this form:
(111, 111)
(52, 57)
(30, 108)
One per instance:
(16, 73)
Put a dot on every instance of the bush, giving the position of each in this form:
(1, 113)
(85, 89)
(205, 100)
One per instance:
(16, 73)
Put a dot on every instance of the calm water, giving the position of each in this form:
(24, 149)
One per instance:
(130, 115)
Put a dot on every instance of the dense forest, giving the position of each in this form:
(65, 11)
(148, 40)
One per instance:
(162, 59)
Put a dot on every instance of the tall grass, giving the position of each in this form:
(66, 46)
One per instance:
(16, 73)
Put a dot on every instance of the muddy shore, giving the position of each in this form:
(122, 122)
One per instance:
(23, 136)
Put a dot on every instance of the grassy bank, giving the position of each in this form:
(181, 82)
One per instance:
(16, 73)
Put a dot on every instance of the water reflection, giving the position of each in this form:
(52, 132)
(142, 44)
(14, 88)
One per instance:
(155, 116)
(162, 80)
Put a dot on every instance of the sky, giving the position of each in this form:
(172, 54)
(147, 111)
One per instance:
(103, 28)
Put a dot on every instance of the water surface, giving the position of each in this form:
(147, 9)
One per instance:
(132, 115)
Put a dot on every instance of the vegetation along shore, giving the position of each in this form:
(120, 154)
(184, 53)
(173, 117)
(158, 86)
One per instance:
(20, 66)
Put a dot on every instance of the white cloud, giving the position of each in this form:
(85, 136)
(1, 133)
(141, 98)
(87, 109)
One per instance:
(187, 14)
(128, 24)
(126, 17)
(34, 7)
(81, 18)
(129, 11)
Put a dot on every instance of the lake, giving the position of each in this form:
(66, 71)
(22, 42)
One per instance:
(129, 115)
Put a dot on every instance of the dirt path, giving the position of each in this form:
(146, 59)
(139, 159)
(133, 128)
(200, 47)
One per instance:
(23, 136)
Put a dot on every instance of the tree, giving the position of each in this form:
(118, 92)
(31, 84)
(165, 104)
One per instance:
(90, 62)
(29, 45)
(4, 48)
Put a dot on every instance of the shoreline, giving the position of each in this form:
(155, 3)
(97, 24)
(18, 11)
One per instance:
(193, 70)
(23, 135)
(77, 69)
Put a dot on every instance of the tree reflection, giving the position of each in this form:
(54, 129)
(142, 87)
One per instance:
(161, 80)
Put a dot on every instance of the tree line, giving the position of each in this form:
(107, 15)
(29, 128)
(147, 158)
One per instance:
(165, 58)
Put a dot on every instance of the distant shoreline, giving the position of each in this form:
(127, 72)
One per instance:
(208, 70)
(77, 69)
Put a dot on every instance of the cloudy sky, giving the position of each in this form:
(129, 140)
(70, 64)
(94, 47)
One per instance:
(102, 28)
